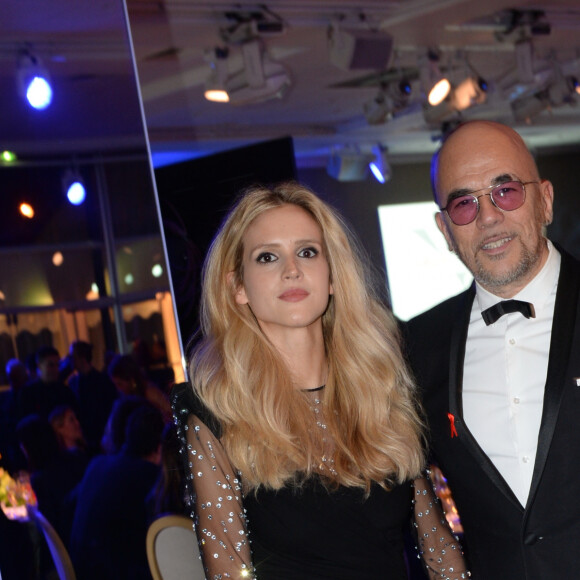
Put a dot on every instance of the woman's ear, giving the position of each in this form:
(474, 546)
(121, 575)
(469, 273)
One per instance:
(239, 291)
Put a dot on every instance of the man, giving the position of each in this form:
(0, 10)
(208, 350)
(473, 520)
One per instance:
(48, 391)
(111, 518)
(502, 392)
(94, 391)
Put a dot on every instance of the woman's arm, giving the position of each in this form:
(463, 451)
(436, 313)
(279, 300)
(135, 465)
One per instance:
(220, 520)
(439, 548)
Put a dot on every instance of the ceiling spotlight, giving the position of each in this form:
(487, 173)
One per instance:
(8, 157)
(378, 109)
(380, 166)
(26, 210)
(73, 187)
(215, 85)
(261, 79)
(471, 91)
(348, 164)
(33, 81)
(436, 86)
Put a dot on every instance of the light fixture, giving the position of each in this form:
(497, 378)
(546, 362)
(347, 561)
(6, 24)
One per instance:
(74, 187)
(348, 163)
(380, 166)
(470, 91)
(378, 109)
(261, 79)
(26, 210)
(8, 157)
(33, 81)
(436, 86)
(355, 48)
(215, 89)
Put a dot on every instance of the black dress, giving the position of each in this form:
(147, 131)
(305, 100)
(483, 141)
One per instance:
(305, 532)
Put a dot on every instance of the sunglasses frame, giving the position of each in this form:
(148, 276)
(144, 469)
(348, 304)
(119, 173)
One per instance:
(490, 193)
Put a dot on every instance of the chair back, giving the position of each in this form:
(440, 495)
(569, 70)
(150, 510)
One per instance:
(172, 549)
(62, 561)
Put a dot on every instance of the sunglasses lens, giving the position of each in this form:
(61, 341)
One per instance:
(507, 196)
(462, 210)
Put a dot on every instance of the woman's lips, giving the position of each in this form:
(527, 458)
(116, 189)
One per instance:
(293, 295)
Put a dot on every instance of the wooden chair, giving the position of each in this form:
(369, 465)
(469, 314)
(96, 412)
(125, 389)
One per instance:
(58, 551)
(172, 549)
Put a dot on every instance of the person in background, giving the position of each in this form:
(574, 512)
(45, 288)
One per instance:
(94, 391)
(499, 364)
(110, 523)
(67, 428)
(41, 396)
(305, 442)
(116, 427)
(131, 381)
(10, 453)
(54, 473)
(168, 493)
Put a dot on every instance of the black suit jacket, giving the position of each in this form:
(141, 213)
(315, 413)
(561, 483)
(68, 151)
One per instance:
(504, 539)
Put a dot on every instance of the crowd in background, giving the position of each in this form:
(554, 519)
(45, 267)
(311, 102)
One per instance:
(99, 449)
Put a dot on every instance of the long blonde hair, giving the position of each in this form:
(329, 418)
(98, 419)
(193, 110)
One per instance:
(369, 399)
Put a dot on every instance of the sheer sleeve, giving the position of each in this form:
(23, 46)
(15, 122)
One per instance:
(439, 549)
(220, 520)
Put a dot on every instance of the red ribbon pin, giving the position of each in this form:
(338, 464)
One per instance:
(452, 425)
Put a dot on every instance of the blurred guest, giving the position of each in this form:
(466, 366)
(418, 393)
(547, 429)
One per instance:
(67, 429)
(53, 473)
(153, 361)
(12, 458)
(110, 524)
(168, 493)
(115, 430)
(47, 392)
(94, 391)
(130, 380)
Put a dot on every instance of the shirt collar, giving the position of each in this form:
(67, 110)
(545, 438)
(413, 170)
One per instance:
(537, 290)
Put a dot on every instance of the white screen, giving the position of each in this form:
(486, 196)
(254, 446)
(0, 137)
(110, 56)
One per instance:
(422, 271)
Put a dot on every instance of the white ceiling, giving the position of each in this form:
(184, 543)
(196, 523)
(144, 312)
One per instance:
(171, 40)
(84, 46)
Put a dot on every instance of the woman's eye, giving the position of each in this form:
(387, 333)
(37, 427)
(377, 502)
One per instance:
(308, 253)
(266, 258)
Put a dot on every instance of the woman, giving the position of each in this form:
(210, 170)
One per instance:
(130, 380)
(67, 429)
(305, 437)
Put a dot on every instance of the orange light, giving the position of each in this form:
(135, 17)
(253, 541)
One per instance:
(26, 210)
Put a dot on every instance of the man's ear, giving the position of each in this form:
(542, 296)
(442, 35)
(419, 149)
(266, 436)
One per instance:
(443, 228)
(239, 292)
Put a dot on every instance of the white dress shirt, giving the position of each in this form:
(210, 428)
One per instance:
(505, 375)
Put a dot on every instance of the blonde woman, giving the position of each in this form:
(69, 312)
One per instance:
(305, 438)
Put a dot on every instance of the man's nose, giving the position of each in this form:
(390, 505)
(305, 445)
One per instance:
(488, 213)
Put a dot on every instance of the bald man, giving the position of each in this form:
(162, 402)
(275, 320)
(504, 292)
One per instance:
(499, 364)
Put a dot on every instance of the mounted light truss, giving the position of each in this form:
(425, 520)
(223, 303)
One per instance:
(261, 78)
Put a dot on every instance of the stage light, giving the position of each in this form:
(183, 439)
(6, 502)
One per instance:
(129, 279)
(8, 156)
(471, 91)
(26, 210)
(157, 270)
(348, 164)
(380, 167)
(73, 186)
(33, 81)
(57, 259)
(436, 86)
(215, 90)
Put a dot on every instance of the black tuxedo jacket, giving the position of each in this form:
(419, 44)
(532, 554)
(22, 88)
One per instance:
(504, 539)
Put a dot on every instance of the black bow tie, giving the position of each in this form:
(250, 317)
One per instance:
(490, 315)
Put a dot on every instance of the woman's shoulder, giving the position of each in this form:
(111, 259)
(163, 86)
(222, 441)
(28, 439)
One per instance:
(186, 402)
